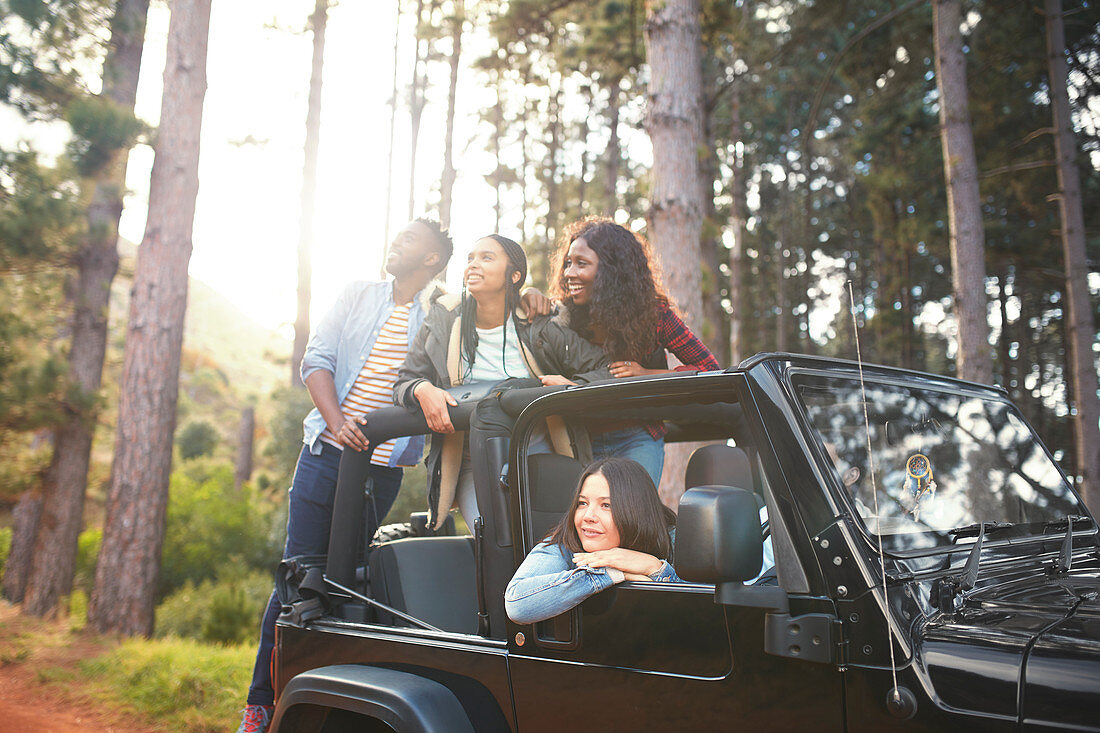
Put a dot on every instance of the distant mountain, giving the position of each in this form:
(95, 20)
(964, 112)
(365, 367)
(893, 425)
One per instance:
(254, 359)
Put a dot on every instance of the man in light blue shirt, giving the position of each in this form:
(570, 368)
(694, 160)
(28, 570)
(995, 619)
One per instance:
(338, 359)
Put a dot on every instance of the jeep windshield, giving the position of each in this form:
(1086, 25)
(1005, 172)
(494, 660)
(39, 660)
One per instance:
(942, 460)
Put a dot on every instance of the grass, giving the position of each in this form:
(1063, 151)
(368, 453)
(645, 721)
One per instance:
(166, 684)
(184, 685)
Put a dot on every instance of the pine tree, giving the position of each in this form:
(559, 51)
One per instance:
(318, 22)
(129, 559)
(963, 206)
(109, 116)
(674, 124)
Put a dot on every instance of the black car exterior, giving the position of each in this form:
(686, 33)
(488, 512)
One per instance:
(958, 593)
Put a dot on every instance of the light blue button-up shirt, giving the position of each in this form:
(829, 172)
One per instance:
(340, 345)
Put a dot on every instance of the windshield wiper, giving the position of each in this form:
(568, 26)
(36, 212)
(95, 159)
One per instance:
(946, 589)
(969, 530)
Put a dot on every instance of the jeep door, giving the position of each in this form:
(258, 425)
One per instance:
(647, 656)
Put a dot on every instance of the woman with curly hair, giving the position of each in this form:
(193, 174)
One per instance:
(612, 295)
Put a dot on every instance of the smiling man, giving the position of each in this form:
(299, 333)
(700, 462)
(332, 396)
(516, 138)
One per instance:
(349, 368)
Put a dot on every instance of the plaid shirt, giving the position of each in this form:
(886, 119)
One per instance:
(674, 335)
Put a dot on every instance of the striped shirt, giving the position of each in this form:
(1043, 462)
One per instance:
(373, 388)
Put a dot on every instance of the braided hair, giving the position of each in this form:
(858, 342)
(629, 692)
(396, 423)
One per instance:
(517, 262)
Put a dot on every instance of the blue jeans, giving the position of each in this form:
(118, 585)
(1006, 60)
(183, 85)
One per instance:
(307, 530)
(634, 443)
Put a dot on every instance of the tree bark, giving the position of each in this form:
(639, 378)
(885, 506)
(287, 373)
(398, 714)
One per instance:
(318, 21)
(674, 124)
(737, 227)
(17, 569)
(244, 446)
(66, 480)
(614, 147)
(129, 559)
(416, 103)
(447, 181)
(964, 212)
(393, 127)
(1080, 326)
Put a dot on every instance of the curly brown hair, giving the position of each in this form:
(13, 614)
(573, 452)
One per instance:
(627, 295)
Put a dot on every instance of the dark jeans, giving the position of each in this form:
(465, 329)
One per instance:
(307, 530)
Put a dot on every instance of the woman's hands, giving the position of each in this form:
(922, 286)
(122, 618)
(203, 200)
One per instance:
(620, 369)
(433, 401)
(550, 380)
(633, 564)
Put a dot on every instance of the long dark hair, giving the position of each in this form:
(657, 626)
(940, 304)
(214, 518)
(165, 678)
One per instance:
(642, 520)
(517, 262)
(627, 294)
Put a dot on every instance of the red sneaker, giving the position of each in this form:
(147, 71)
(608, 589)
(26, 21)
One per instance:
(256, 719)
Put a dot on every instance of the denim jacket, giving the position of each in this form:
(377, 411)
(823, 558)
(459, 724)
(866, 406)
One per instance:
(547, 583)
(341, 343)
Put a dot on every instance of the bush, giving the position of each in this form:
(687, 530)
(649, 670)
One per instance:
(87, 553)
(199, 438)
(186, 685)
(5, 547)
(226, 611)
(211, 526)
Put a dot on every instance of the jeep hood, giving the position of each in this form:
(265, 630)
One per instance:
(1026, 649)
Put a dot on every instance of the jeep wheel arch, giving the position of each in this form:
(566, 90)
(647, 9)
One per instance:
(406, 702)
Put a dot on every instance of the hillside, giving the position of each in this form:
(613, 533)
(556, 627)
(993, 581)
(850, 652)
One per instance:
(253, 359)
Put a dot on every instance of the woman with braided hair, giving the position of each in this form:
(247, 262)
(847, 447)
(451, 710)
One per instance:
(484, 336)
(611, 293)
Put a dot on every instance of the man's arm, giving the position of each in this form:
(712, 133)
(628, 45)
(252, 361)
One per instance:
(322, 390)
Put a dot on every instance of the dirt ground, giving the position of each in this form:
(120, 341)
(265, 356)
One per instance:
(29, 703)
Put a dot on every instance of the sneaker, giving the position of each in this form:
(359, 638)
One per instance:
(256, 719)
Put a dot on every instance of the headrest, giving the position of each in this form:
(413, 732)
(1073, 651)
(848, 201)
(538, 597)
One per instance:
(719, 465)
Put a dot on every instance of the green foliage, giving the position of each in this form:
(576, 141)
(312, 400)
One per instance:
(39, 210)
(198, 438)
(87, 552)
(78, 610)
(5, 547)
(44, 45)
(212, 525)
(101, 129)
(285, 441)
(223, 611)
(188, 686)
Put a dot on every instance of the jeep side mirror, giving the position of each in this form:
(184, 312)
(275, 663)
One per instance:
(718, 540)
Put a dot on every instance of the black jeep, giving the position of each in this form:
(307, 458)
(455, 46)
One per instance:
(934, 570)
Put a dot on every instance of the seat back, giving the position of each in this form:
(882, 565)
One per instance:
(430, 578)
(719, 465)
(553, 483)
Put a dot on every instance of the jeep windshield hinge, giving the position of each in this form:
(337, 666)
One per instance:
(814, 637)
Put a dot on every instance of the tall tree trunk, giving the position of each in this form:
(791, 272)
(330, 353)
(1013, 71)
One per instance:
(318, 21)
(674, 124)
(51, 574)
(129, 559)
(416, 102)
(17, 568)
(447, 182)
(1081, 327)
(614, 148)
(553, 155)
(393, 127)
(737, 227)
(245, 435)
(964, 211)
(713, 328)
